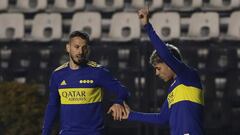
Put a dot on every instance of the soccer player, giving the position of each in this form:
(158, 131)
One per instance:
(183, 108)
(76, 92)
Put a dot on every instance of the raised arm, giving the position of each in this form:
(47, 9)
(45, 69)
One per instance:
(52, 108)
(162, 50)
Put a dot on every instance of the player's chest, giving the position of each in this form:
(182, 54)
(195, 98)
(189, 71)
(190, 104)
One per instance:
(77, 81)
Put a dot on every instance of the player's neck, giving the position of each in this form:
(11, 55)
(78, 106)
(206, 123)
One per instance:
(73, 66)
(174, 76)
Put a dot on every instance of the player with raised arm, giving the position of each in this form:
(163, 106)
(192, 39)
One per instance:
(183, 108)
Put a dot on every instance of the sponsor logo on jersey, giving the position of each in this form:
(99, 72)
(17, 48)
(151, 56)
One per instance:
(80, 95)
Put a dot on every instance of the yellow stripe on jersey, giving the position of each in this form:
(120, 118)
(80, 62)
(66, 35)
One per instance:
(185, 93)
(93, 64)
(61, 67)
(80, 95)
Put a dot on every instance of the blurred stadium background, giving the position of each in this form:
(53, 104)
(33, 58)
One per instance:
(33, 34)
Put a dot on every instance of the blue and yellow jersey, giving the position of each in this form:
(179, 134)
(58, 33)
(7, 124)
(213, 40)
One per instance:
(76, 95)
(183, 108)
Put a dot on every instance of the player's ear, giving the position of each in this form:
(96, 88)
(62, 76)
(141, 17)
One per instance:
(68, 47)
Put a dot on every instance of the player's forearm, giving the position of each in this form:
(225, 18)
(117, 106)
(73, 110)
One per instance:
(112, 85)
(122, 95)
(154, 118)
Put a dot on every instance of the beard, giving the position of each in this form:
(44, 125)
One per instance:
(78, 59)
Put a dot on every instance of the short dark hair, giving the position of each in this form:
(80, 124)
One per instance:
(81, 34)
(155, 58)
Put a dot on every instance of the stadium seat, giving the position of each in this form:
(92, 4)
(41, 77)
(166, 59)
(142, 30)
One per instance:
(203, 26)
(20, 60)
(221, 5)
(215, 85)
(31, 5)
(222, 60)
(196, 56)
(167, 25)
(11, 26)
(154, 4)
(127, 58)
(68, 5)
(234, 26)
(89, 22)
(124, 26)
(138, 3)
(5, 54)
(106, 56)
(185, 5)
(119, 58)
(3, 5)
(47, 27)
(108, 5)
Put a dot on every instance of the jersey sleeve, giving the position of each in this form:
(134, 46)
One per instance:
(162, 50)
(52, 108)
(112, 85)
(154, 118)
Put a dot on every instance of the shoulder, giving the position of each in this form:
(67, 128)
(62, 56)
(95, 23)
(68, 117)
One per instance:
(94, 64)
(191, 77)
(193, 72)
(190, 72)
(97, 68)
(63, 66)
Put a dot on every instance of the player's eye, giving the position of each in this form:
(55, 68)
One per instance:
(77, 46)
